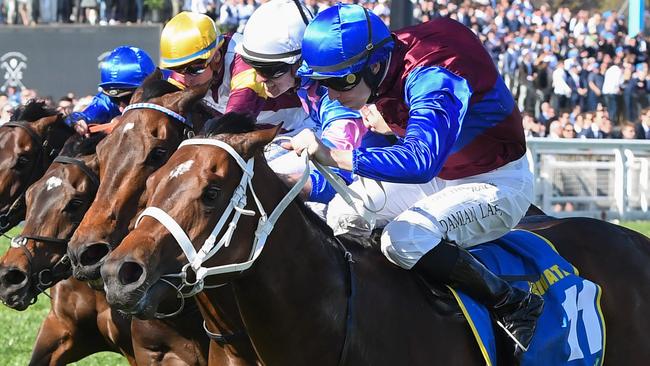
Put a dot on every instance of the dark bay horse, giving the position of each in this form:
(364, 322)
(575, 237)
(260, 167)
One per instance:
(304, 303)
(139, 145)
(80, 321)
(28, 144)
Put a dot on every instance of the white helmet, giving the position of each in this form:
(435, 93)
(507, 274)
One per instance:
(274, 32)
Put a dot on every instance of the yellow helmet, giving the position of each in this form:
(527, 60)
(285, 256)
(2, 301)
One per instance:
(188, 37)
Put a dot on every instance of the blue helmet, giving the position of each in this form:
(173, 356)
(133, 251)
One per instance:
(125, 68)
(342, 40)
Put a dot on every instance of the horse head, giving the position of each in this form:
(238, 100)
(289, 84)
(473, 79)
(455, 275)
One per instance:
(194, 188)
(28, 144)
(149, 131)
(55, 204)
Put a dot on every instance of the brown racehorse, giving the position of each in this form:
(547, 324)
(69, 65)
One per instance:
(28, 144)
(140, 144)
(304, 303)
(80, 322)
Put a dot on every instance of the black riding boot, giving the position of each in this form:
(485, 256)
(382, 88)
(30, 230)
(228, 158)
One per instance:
(517, 310)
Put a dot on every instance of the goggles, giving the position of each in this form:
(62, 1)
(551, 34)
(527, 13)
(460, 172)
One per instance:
(343, 84)
(117, 93)
(269, 70)
(193, 69)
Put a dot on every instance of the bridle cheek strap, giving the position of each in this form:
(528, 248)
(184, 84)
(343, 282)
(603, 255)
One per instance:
(237, 204)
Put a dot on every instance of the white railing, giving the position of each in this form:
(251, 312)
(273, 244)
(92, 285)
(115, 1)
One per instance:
(607, 179)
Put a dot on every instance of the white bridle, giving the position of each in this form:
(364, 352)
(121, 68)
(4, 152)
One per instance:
(237, 203)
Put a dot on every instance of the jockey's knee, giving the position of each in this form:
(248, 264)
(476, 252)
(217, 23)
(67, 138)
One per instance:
(348, 223)
(404, 242)
(343, 219)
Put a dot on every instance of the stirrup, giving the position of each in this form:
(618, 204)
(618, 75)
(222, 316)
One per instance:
(525, 349)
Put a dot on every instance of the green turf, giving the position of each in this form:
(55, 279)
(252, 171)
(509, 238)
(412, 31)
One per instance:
(18, 332)
(18, 329)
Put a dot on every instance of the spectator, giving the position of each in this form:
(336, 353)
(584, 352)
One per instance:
(643, 127)
(628, 131)
(90, 10)
(612, 88)
(531, 127)
(561, 90)
(5, 113)
(65, 106)
(228, 17)
(245, 9)
(595, 81)
(568, 132)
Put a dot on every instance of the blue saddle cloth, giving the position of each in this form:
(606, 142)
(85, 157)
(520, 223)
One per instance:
(571, 330)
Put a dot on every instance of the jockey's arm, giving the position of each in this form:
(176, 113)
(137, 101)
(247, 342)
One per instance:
(100, 110)
(437, 101)
(342, 129)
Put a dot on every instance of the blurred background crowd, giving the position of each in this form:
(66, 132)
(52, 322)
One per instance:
(574, 74)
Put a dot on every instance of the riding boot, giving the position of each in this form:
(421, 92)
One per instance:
(515, 309)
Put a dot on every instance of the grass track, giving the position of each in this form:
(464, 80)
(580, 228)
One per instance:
(18, 329)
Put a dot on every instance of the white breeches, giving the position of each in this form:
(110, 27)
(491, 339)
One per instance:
(417, 217)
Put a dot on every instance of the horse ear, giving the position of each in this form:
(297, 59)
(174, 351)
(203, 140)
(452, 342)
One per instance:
(42, 124)
(256, 140)
(183, 100)
(137, 95)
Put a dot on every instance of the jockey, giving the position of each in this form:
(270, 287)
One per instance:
(273, 50)
(457, 175)
(192, 47)
(122, 71)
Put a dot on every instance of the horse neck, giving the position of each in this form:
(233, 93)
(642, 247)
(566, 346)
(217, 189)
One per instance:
(300, 271)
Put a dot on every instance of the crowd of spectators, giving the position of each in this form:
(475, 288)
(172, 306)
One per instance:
(573, 74)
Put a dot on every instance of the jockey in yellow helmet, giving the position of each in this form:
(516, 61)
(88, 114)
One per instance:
(196, 52)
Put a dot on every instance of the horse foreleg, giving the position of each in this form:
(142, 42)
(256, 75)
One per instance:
(59, 342)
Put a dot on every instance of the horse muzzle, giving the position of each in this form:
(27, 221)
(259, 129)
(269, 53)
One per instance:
(15, 288)
(87, 260)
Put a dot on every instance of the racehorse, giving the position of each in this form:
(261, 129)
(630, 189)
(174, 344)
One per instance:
(310, 298)
(80, 322)
(28, 144)
(140, 144)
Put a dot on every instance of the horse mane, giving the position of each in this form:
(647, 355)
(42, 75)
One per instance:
(157, 88)
(231, 122)
(77, 145)
(32, 111)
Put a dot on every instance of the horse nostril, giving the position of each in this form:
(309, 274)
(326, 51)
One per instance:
(14, 277)
(93, 254)
(130, 272)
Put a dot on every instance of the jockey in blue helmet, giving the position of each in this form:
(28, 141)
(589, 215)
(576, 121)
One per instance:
(122, 71)
(457, 174)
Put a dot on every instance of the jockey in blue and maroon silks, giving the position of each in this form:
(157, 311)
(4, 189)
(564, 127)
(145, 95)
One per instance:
(122, 72)
(457, 174)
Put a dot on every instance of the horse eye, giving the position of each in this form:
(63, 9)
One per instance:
(156, 156)
(21, 162)
(73, 205)
(211, 194)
